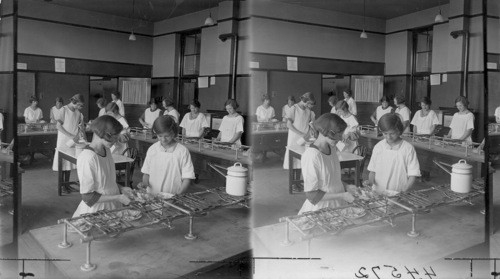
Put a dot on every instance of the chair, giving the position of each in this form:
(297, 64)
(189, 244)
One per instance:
(130, 152)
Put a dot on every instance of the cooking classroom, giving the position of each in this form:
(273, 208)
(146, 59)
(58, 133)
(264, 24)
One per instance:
(132, 134)
(398, 88)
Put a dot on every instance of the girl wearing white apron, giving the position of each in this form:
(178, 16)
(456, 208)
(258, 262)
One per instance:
(425, 120)
(170, 110)
(394, 165)
(350, 137)
(265, 112)
(194, 124)
(332, 101)
(121, 144)
(298, 124)
(286, 108)
(350, 101)
(231, 126)
(384, 108)
(115, 96)
(403, 111)
(56, 110)
(321, 167)
(150, 114)
(462, 122)
(69, 124)
(96, 170)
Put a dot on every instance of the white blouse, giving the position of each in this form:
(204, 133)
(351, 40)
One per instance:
(264, 114)
(194, 127)
(33, 115)
(229, 127)
(404, 114)
(460, 123)
(424, 123)
(150, 116)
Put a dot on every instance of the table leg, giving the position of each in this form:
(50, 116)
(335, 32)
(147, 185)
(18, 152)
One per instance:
(127, 175)
(290, 172)
(287, 241)
(413, 233)
(65, 243)
(88, 266)
(60, 173)
(356, 172)
(190, 235)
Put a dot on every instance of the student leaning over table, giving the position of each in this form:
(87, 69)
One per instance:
(462, 122)
(393, 165)
(321, 166)
(497, 114)
(350, 101)
(96, 170)
(286, 108)
(403, 111)
(115, 97)
(384, 108)
(332, 101)
(168, 104)
(101, 104)
(167, 167)
(350, 136)
(150, 114)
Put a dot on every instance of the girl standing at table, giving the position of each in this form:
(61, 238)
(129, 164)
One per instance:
(101, 104)
(350, 101)
(350, 136)
(462, 123)
(425, 120)
(69, 125)
(150, 114)
(167, 167)
(121, 144)
(298, 124)
(33, 114)
(384, 108)
(332, 101)
(321, 166)
(168, 104)
(265, 112)
(96, 170)
(56, 110)
(194, 124)
(394, 165)
(497, 114)
(231, 127)
(286, 108)
(403, 111)
(116, 98)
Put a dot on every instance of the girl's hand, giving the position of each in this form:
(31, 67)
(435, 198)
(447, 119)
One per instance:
(123, 199)
(141, 185)
(127, 191)
(348, 197)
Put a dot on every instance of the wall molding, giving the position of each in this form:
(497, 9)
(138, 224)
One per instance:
(7, 15)
(311, 57)
(464, 15)
(317, 24)
(6, 72)
(83, 59)
(492, 16)
(83, 26)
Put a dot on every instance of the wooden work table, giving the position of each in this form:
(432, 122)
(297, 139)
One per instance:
(143, 253)
(443, 232)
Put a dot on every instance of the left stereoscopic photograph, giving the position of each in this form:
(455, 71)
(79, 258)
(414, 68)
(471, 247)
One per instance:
(125, 151)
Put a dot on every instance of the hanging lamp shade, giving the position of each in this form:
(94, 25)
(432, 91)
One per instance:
(132, 36)
(363, 35)
(209, 21)
(439, 17)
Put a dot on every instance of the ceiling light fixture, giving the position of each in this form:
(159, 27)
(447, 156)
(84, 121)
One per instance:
(132, 35)
(439, 16)
(209, 21)
(363, 34)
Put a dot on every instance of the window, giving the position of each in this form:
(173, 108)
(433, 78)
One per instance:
(135, 90)
(368, 88)
(191, 54)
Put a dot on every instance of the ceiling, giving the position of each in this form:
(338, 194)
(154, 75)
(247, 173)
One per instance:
(383, 9)
(149, 10)
(156, 10)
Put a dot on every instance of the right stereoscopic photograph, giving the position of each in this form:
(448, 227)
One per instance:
(372, 157)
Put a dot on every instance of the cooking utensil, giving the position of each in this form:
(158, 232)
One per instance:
(461, 175)
(236, 179)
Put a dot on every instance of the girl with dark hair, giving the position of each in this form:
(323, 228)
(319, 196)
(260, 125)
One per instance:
(394, 165)
(321, 166)
(116, 98)
(194, 124)
(332, 101)
(350, 101)
(265, 112)
(33, 114)
(55, 111)
(69, 128)
(96, 170)
(150, 114)
(167, 167)
(425, 120)
(298, 125)
(121, 144)
(168, 104)
(288, 107)
(384, 108)
(350, 136)
(403, 111)
(231, 127)
(462, 123)
(101, 104)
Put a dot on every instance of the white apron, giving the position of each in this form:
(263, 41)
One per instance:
(70, 123)
(392, 175)
(301, 120)
(102, 174)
